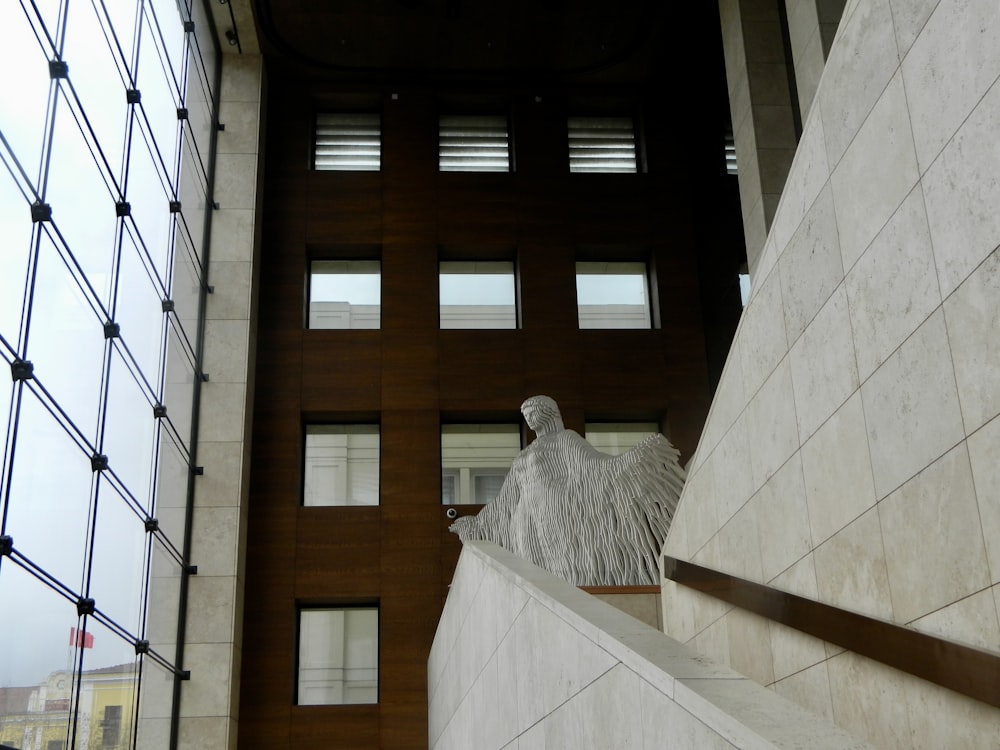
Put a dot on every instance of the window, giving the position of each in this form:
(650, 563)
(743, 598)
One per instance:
(476, 143)
(348, 142)
(341, 465)
(612, 295)
(345, 294)
(111, 726)
(475, 459)
(338, 656)
(617, 437)
(477, 295)
(602, 144)
(744, 288)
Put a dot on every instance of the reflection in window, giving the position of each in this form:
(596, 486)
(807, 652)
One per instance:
(602, 144)
(100, 288)
(348, 142)
(612, 295)
(338, 656)
(345, 294)
(475, 459)
(477, 295)
(617, 437)
(341, 465)
(473, 143)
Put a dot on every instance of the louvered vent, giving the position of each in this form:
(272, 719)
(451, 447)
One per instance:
(473, 144)
(602, 144)
(731, 155)
(348, 142)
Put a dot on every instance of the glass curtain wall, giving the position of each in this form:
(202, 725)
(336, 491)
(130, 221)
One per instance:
(107, 112)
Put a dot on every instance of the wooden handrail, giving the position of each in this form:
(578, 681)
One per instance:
(964, 669)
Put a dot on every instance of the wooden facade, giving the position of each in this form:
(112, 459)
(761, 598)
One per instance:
(409, 376)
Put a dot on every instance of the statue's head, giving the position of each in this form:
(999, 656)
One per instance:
(542, 415)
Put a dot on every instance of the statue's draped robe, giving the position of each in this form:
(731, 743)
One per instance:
(583, 515)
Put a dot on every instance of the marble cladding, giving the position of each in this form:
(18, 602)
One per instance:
(209, 707)
(522, 659)
(856, 428)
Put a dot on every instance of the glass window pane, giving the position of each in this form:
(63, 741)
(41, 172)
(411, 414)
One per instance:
(185, 288)
(617, 437)
(199, 110)
(345, 294)
(37, 652)
(192, 197)
(139, 311)
(129, 430)
(178, 385)
(475, 459)
(48, 511)
(25, 99)
(602, 144)
(338, 656)
(150, 197)
(108, 690)
(155, 699)
(612, 295)
(171, 486)
(93, 72)
(15, 228)
(159, 104)
(477, 295)
(163, 600)
(202, 41)
(473, 143)
(118, 565)
(83, 208)
(66, 341)
(348, 142)
(170, 32)
(341, 465)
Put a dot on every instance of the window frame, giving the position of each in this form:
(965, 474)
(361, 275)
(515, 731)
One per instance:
(466, 472)
(445, 166)
(359, 264)
(375, 117)
(649, 289)
(638, 153)
(515, 323)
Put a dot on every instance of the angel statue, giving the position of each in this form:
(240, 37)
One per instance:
(588, 517)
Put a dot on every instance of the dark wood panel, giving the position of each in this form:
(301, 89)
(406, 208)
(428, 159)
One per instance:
(338, 552)
(341, 371)
(334, 727)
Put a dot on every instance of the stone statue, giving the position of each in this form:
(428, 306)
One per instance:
(586, 516)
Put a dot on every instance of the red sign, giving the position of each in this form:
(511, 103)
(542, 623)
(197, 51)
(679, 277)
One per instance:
(81, 638)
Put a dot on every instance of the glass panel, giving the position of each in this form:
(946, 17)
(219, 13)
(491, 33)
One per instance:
(178, 386)
(82, 207)
(348, 142)
(108, 691)
(171, 487)
(612, 295)
(473, 144)
(185, 288)
(155, 699)
(48, 511)
(171, 35)
(25, 99)
(473, 458)
(202, 43)
(345, 294)
(199, 111)
(66, 341)
(338, 656)
(602, 144)
(123, 16)
(617, 437)
(15, 228)
(477, 295)
(36, 659)
(118, 565)
(159, 103)
(192, 197)
(150, 203)
(129, 429)
(341, 465)
(139, 311)
(93, 73)
(163, 601)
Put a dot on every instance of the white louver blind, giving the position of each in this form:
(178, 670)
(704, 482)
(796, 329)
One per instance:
(473, 144)
(731, 167)
(348, 142)
(602, 144)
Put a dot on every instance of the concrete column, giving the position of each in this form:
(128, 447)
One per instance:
(812, 25)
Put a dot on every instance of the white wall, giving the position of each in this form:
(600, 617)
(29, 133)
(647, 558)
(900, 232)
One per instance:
(522, 659)
(851, 451)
